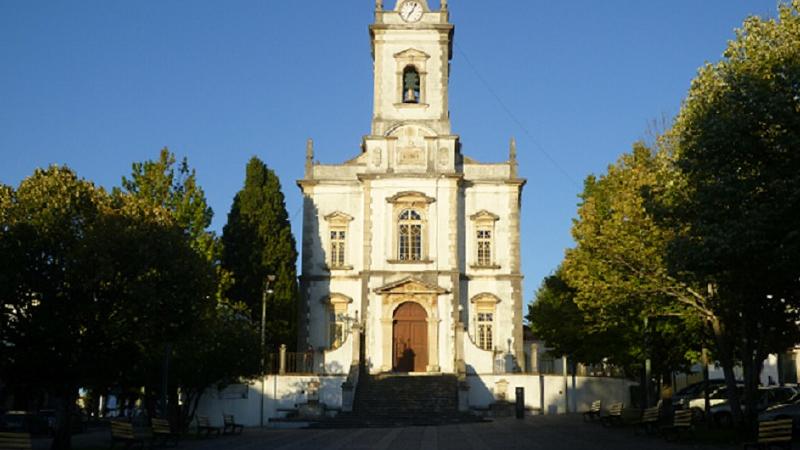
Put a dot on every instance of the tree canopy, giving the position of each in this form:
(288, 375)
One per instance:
(257, 242)
(704, 228)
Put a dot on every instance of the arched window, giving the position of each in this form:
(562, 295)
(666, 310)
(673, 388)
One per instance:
(410, 236)
(411, 91)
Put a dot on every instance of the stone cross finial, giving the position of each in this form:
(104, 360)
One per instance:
(309, 158)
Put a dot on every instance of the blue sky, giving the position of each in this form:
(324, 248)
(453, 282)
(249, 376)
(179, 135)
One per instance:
(98, 85)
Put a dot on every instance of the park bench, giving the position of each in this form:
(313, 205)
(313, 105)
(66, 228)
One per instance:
(649, 420)
(122, 432)
(681, 423)
(162, 432)
(773, 433)
(203, 424)
(229, 425)
(593, 412)
(614, 416)
(15, 441)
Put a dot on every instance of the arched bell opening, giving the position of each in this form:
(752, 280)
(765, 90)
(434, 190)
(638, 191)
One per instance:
(411, 85)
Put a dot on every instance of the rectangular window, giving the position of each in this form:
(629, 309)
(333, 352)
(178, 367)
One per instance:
(484, 248)
(410, 242)
(485, 321)
(338, 241)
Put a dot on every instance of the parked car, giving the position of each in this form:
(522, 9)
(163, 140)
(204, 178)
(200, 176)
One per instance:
(680, 400)
(768, 396)
(786, 410)
(716, 397)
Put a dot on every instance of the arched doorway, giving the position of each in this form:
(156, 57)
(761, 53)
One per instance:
(410, 338)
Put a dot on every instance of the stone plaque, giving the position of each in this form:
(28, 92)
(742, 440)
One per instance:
(411, 156)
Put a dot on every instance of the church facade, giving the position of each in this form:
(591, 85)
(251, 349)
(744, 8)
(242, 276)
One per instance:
(410, 240)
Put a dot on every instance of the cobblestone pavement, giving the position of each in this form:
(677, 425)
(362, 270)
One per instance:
(538, 432)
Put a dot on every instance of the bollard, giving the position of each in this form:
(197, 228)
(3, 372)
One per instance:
(520, 406)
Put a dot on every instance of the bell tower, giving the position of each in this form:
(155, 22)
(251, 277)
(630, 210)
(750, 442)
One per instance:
(411, 50)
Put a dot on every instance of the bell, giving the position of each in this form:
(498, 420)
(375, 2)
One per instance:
(411, 96)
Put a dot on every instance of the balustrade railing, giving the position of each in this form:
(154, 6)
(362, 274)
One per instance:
(285, 362)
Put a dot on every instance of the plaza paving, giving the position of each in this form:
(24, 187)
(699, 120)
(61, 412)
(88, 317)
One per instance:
(538, 432)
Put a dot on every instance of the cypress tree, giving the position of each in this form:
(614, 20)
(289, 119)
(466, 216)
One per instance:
(257, 242)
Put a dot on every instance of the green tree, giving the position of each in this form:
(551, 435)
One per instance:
(218, 348)
(618, 272)
(161, 184)
(89, 283)
(257, 242)
(737, 192)
(555, 318)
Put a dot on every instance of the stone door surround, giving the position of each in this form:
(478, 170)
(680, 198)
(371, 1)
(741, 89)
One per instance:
(412, 290)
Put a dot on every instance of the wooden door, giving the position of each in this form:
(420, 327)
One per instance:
(410, 338)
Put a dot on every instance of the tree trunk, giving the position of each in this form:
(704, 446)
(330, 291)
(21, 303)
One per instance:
(64, 402)
(726, 359)
(752, 363)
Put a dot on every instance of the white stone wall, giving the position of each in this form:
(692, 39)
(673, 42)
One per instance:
(546, 393)
(279, 392)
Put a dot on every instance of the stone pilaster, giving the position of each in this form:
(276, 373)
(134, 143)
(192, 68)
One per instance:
(433, 344)
(386, 343)
(514, 197)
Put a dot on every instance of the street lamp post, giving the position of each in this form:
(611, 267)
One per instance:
(267, 291)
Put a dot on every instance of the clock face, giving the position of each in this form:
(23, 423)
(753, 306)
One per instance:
(411, 11)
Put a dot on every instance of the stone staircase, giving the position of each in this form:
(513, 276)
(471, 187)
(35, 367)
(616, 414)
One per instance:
(402, 397)
(391, 400)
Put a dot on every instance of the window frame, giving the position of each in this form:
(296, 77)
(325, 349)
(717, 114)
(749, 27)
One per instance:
(338, 247)
(484, 221)
(482, 305)
(337, 222)
(402, 203)
(485, 329)
(411, 249)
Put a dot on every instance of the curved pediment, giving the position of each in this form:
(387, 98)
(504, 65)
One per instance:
(412, 54)
(339, 217)
(485, 297)
(334, 299)
(410, 197)
(484, 215)
(410, 285)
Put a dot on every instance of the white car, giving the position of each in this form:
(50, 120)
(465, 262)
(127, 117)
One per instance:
(718, 396)
(788, 410)
(768, 397)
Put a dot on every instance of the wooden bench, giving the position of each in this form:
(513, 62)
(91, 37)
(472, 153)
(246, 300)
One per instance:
(773, 433)
(203, 424)
(614, 416)
(681, 422)
(229, 425)
(122, 432)
(15, 441)
(649, 421)
(594, 411)
(162, 432)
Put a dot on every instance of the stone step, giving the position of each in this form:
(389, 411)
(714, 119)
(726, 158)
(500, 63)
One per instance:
(394, 397)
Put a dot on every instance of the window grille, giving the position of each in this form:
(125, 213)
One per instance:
(338, 241)
(485, 321)
(484, 247)
(410, 236)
